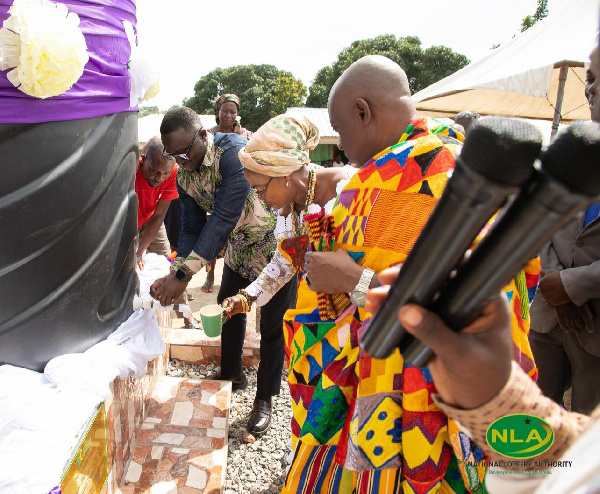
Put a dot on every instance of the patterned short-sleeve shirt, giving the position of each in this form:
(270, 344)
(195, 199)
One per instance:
(252, 242)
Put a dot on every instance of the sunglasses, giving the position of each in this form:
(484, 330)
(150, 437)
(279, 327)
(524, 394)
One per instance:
(181, 157)
(261, 190)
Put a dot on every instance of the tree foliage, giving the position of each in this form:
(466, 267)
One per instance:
(540, 12)
(423, 67)
(264, 91)
(147, 110)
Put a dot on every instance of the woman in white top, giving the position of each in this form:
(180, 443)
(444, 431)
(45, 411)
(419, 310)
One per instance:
(277, 166)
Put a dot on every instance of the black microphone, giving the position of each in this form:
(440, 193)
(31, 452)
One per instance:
(495, 161)
(568, 181)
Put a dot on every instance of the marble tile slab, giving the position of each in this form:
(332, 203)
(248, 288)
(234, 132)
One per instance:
(193, 346)
(182, 444)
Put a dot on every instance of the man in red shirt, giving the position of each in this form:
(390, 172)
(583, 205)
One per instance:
(155, 186)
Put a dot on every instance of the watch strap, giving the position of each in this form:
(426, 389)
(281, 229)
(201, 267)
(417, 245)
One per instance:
(365, 281)
(181, 275)
(358, 295)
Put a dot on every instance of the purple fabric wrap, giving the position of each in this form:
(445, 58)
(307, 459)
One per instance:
(103, 88)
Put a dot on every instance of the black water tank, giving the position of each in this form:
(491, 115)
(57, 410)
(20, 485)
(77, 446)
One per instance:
(68, 222)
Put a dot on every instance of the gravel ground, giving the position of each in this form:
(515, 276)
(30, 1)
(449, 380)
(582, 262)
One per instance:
(254, 465)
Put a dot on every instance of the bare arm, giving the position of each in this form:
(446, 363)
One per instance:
(152, 226)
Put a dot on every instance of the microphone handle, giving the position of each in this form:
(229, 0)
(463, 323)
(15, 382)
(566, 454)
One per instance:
(528, 223)
(466, 204)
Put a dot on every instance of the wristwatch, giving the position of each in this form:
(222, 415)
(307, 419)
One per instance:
(358, 296)
(181, 275)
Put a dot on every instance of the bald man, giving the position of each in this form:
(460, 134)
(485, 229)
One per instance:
(155, 186)
(362, 424)
(370, 106)
(353, 415)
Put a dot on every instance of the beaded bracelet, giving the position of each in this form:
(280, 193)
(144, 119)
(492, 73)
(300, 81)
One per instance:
(249, 297)
(244, 302)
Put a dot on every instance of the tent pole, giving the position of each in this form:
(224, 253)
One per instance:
(562, 79)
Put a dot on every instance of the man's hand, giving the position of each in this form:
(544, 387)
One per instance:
(140, 263)
(552, 289)
(470, 367)
(573, 319)
(331, 272)
(167, 289)
(157, 284)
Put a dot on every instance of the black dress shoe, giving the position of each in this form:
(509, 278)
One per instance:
(237, 382)
(259, 420)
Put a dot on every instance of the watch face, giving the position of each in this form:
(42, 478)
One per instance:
(358, 298)
(181, 275)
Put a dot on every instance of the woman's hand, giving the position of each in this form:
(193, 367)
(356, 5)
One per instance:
(232, 305)
(331, 272)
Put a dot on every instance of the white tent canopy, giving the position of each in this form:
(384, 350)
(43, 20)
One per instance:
(521, 78)
(320, 117)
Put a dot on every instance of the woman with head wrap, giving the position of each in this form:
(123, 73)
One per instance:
(227, 108)
(277, 166)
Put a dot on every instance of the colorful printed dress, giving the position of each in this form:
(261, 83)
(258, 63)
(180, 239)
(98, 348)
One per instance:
(369, 425)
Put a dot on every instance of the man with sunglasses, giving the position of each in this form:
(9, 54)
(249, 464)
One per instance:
(211, 180)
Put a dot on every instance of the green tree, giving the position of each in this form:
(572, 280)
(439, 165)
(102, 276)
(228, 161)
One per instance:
(540, 12)
(319, 89)
(147, 110)
(436, 63)
(289, 92)
(264, 91)
(423, 67)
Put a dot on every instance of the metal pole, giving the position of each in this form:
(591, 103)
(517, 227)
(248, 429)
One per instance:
(562, 79)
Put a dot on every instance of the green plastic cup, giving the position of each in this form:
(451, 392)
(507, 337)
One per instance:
(212, 319)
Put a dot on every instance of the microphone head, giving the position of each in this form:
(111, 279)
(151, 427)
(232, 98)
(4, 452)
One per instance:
(573, 158)
(503, 150)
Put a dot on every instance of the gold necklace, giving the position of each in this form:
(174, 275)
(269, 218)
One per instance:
(298, 225)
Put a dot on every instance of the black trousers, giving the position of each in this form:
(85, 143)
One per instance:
(272, 343)
(562, 363)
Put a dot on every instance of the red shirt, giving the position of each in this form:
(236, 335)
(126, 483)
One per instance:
(148, 197)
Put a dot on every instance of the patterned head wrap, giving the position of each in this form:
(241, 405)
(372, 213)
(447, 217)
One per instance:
(280, 146)
(224, 98)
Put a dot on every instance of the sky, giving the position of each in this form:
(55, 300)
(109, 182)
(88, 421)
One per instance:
(189, 38)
